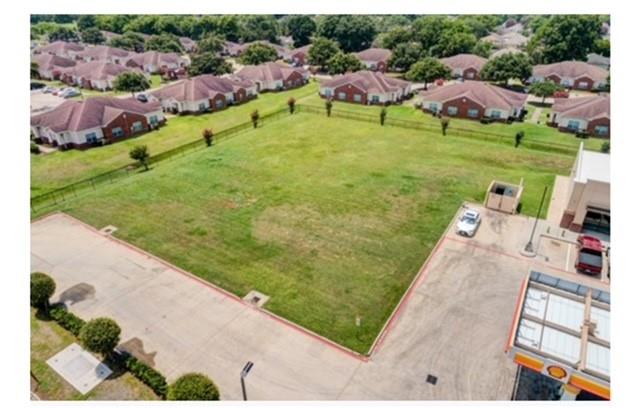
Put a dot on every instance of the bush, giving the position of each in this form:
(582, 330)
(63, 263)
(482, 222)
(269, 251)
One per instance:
(255, 115)
(35, 149)
(193, 386)
(42, 288)
(67, 320)
(100, 335)
(519, 137)
(156, 381)
(207, 134)
(605, 147)
(292, 104)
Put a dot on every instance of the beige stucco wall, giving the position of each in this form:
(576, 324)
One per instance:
(592, 193)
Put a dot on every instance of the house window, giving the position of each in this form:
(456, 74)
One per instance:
(153, 120)
(471, 74)
(117, 132)
(375, 99)
(472, 113)
(219, 104)
(582, 85)
(433, 107)
(495, 114)
(566, 82)
(573, 125)
(91, 137)
(602, 130)
(452, 110)
(327, 92)
(137, 126)
(202, 106)
(342, 96)
(357, 98)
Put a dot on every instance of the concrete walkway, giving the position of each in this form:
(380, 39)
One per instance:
(453, 323)
(535, 115)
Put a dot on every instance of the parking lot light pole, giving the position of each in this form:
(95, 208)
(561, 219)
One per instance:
(529, 246)
(243, 374)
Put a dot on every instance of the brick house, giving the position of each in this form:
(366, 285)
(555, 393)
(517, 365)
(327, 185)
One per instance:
(474, 100)
(98, 75)
(590, 115)
(467, 66)
(375, 59)
(272, 76)
(231, 49)
(366, 87)
(61, 49)
(571, 74)
(299, 56)
(204, 93)
(95, 121)
(104, 53)
(50, 66)
(155, 62)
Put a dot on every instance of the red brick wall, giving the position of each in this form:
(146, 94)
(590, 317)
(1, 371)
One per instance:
(240, 95)
(591, 127)
(381, 66)
(295, 79)
(350, 91)
(218, 97)
(470, 71)
(589, 82)
(302, 58)
(124, 120)
(463, 104)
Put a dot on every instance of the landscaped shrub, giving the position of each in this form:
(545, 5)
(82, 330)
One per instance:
(156, 381)
(35, 149)
(193, 386)
(605, 147)
(141, 154)
(42, 288)
(292, 104)
(519, 137)
(100, 335)
(207, 134)
(255, 115)
(66, 319)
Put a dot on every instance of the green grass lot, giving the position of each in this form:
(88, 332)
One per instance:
(47, 339)
(331, 218)
(55, 170)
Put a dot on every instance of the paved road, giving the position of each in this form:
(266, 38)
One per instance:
(453, 324)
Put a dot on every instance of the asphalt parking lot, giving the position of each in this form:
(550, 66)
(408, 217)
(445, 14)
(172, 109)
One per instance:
(453, 323)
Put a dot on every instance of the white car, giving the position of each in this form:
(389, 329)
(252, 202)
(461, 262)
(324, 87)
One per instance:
(468, 223)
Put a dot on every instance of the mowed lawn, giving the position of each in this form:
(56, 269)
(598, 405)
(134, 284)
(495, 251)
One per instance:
(58, 169)
(331, 218)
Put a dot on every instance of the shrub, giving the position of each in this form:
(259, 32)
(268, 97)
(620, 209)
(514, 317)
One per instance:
(193, 386)
(207, 134)
(605, 147)
(42, 288)
(383, 116)
(519, 137)
(100, 335)
(444, 123)
(141, 154)
(255, 115)
(292, 104)
(67, 320)
(328, 105)
(156, 381)
(35, 149)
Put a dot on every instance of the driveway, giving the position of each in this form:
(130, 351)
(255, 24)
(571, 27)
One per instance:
(452, 324)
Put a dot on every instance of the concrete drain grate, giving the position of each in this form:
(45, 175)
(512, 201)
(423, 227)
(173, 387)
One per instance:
(108, 230)
(256, 298)
(432, 379)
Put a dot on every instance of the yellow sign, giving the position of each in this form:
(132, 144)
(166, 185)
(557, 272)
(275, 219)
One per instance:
(556, 372)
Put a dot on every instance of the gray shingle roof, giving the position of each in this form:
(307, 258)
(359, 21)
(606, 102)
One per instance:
(200, 87)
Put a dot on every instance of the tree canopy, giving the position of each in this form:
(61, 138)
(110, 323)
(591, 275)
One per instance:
(544, 89)
(507, 66)
(341, 63)
(163, 43)
(301, 29)
(63, 33)
(131, 82)
(193, 386)
(208, 63)
(92, 36)
(564, 38)
(260, 27)
(211, 43)
(100, 335)
(258, 53)
(42, 288)
(428, 70)
(129, 41)
(406, 54)
(322, 50)
(353, 32)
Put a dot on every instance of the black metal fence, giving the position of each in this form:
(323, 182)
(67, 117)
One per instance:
(452, 130)
(62, 194)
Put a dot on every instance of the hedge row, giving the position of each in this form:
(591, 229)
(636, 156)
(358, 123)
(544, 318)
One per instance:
(149, 376)
(66, 319)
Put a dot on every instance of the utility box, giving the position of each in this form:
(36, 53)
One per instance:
(504, 197)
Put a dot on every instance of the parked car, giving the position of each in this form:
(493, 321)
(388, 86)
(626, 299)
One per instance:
(468, 223)
(37, 85)
(142, 97)
(590, 257)
(48, 89)
(69, 93)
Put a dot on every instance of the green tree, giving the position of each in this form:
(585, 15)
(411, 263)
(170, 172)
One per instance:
(255, 116)
(163, 43)
(605, 147)
(482, 49)
(544, 89)
(453, 43)
(444, 124)
(602, 47)
(63, 33)
(35, 70)
(86, 21)
(564, 38)
(428, 70)
(193, 386)
(42, 288)
(341, 63)
(131, 82)
(92, 36)
(141, 154)
(301, 29)
(507, 66)
(258, 53)
(321, 51)
(100, 335)
(207, 135)
(353, 32)
(129, 41)
(113, 22)
(519, 137)
(260, 27)
(428, 30)
(399, 35)
(292, 104)
(328, 104)
(405, 55)
(208, 63)
(211, 43)
(481, 25)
